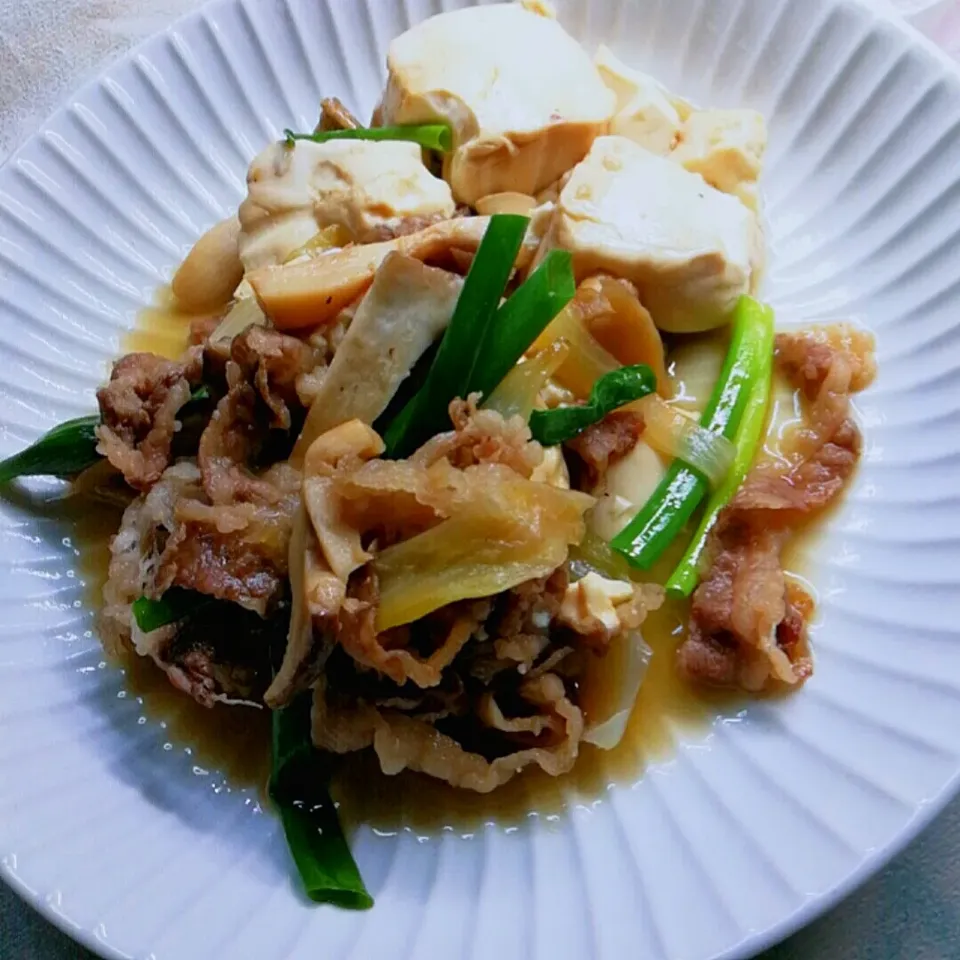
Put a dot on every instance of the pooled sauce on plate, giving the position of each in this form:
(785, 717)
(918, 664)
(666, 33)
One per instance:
(236, 740)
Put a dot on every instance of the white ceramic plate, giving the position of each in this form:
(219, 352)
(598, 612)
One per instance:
(120, 835)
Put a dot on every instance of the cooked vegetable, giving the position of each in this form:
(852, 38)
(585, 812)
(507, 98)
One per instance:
(431, 136)
(299, 787)
(622, 325)
(609, 393)
(212, 269)
(522, 319)
(594, 553)
(329, 238)
(669, 432)
(312, 292)
(683, 489)
(64, 451)
(748, 439)
(406, 309)
(463, 343)
(244, 313)
(588, 360)
(512, 531)
(481, 361)
(627, 659)
(174, 605)
(518, 391)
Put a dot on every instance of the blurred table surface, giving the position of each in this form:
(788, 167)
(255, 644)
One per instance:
(911, 911)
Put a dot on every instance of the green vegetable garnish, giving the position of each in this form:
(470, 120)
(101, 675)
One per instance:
(487, 340)
(432, 136)
(299, 779)
(609, 393)
(523, 318)
(298, 787)
(746, 441)
(682, 490)
(66, 450)
(174, 605)
(463, 343)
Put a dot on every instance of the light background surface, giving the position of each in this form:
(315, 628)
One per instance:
(48, 48)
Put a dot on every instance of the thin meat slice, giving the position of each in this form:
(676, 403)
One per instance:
(390, 653)
(236, 553)
(272, 362)
(138, 413)
(221, 654)
(603, 444)
(745, 627)
(259, 407)
(482, 437)
(405, 743)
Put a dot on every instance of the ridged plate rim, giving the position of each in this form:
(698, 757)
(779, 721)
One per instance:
(810, 910)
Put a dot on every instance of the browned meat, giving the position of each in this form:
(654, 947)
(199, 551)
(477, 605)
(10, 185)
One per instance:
(746, 628)
(536, 602)
(272, 361)
(261, 381)
(517, 635)
(221, 654)
(147, 524)
(138, 412)
(482, 436)
(546, 732)
(707, 659)
(236, 553)
(232, 439)
(606, 442)
(335, 116)
(398, 654)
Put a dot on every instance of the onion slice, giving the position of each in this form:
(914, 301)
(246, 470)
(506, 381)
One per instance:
(518, 391)
(627, 659)
(672, 433)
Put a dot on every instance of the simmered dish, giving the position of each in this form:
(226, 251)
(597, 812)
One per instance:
(468, 392)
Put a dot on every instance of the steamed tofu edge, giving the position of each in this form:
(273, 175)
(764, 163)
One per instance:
(645, 112)
(726, 147)
(296, 190)
(691, 250)
(644, 204)
(520, 119)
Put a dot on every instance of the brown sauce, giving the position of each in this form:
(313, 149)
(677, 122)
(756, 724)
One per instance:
(236, 740)
(162, 328)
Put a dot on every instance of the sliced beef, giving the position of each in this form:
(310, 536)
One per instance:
(257, 412)
(272, 361)
(236, 553)
(746, 628)
(221, 654)
(603, 444)
(138, 412)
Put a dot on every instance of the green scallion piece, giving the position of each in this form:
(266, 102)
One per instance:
(746, 442)
(609, 393)
(431, 136)
(683, 489)
(463, 343)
